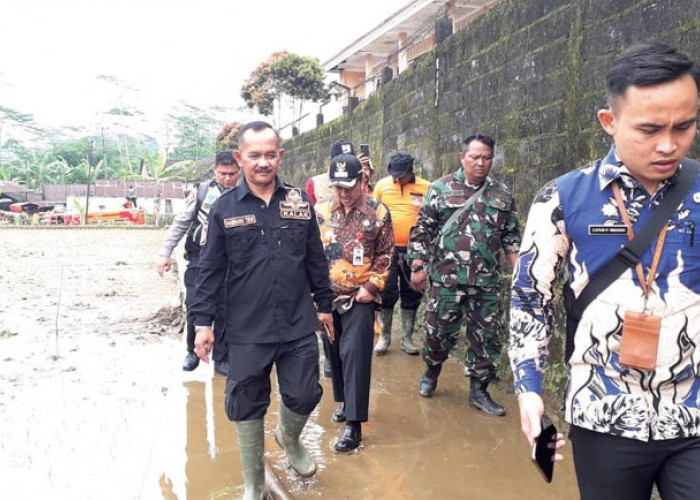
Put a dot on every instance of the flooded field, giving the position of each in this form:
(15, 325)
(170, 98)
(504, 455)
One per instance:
(93, 402)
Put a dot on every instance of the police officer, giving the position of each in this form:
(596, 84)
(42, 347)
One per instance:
(192, 221)
(359, 240)
(263, 244)
(467, 221)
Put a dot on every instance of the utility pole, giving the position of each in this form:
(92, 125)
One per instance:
(89, 165)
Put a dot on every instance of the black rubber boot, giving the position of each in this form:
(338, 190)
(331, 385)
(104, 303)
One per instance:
(428, 382)
(480, 399)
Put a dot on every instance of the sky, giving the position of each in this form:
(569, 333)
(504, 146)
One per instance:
(158, 53)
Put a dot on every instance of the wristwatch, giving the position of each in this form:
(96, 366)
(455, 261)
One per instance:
(198, 328)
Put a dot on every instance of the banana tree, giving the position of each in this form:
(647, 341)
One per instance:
(155, 167)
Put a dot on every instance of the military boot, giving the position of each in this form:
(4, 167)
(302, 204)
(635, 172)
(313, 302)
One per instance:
(386, 317)
(251, 446)
(480, 399)
(287, 436)
(408, 320)
(428, 382)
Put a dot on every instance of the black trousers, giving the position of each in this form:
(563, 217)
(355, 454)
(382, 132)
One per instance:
(398, 284)
(248, 385)
(616, 468)
(219, 353)
(351, 359)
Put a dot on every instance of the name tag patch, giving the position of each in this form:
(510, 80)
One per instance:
(297, 211)
(607, 230)
(245, 220)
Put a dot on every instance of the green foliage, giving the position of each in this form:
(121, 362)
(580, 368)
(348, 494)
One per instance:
(298, 78)
(227, 139)
(195, 130)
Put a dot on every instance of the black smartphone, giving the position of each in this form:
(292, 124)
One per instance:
(364, 149)
(544, 449)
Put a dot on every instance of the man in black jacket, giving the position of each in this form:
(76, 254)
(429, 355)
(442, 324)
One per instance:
(263, 244)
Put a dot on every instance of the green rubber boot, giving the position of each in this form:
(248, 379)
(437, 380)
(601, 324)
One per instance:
(408, 320)
(251, 446)
(287, 436)
(386, 317)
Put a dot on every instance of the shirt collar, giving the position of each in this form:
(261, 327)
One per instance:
(360, 205)
(459, 175)
(411, 181)
(244, 190)
(611, 168)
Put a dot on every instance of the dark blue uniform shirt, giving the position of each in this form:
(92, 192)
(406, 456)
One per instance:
(271, 260)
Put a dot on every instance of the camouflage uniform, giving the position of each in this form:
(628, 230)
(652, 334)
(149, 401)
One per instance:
(463, 267)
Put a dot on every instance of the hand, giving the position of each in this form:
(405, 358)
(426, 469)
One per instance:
(531, 410)
(366, 165)
(363, 296)
(164, 264)
(203, 341)
(418, 279)
(325, 322)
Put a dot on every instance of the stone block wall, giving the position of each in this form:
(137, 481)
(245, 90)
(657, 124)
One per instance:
(528, 72)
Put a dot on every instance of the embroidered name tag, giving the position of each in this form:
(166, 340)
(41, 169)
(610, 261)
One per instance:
(298, 211)
(245, 220)
(603, 230)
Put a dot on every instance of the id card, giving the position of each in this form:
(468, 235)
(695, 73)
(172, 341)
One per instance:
(640, 340)
(358, 254)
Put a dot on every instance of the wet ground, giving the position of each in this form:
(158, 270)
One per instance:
(93, 403)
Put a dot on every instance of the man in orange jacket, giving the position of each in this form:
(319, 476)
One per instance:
(402, 191)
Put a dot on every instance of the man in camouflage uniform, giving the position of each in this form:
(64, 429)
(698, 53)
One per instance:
(467, 221)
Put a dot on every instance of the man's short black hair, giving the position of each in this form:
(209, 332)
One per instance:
(257, 126)
(486, 139)
(647, 64)
(225, 158)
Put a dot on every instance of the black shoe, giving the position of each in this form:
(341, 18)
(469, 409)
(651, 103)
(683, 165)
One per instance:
(191, 362)
(327, 370)
(339, 414)
(221, 367)
(348, 441)
(428, 382)
(480, 399)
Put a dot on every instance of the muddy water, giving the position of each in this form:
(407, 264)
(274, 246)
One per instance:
(414, 448)
(102, 410)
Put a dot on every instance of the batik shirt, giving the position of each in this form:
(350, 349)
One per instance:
(358, 244)
(466, 253)
(574, 222)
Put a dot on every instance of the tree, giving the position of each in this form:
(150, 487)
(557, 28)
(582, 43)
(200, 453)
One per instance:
(195, 131)
(15, 118)
(228, 137)
(285, 78)
(156, 168)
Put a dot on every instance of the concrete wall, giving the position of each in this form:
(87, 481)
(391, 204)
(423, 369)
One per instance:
(528, 72)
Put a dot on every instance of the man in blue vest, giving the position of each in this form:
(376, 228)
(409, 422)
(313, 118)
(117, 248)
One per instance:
(634, 419)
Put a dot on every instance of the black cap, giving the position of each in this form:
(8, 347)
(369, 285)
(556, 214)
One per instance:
(340, 147)
(400, 164)
(345, 171)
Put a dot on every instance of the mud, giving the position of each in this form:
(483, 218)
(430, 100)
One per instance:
(93, 403)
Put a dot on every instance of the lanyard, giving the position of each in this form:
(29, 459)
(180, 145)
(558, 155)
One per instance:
(646, 284)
